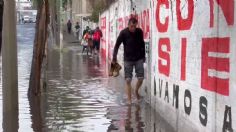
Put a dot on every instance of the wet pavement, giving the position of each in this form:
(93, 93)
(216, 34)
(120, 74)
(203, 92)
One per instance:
(79, 97)
(25, 35)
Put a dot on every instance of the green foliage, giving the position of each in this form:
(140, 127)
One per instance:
(97, 9)
(65, 3)
(36, 3)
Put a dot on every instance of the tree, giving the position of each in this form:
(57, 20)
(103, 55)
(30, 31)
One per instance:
(98, 7)
(39, 46)
(65, 3)
(48, 11)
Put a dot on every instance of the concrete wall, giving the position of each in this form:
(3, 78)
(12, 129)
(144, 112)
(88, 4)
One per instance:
(191, 58)
(194, 63)
(115, 19)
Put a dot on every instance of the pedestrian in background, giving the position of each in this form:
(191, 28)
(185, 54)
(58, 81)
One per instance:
(97, 35)
(77, 30)
(86, 30)
(88, 38)
(134, 55)
(90, 41)
(84, 43)
(69, 25)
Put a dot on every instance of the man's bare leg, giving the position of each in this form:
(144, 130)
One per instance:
(138, 86)
(128, 90)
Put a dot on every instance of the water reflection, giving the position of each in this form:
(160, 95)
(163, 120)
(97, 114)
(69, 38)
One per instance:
(10, 119)
(35, 111)
(25, 35)
(80, 96)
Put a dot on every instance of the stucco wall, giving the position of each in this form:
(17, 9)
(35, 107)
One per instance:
(191, 54)
(115, 19)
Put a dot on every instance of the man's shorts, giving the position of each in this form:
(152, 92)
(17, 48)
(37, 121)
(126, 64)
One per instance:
(139, 69)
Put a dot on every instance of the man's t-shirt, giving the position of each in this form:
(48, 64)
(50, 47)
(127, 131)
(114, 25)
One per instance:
(134, 46)
(97, 35)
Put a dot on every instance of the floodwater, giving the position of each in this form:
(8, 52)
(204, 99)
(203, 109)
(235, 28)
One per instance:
(79, 96)
(25, 35)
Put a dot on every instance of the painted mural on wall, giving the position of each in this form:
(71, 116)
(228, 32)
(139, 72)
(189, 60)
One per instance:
(115, 19)
(192, 58)
(194, 64)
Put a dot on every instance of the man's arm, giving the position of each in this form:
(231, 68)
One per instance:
(117, 45)
(143, 44)
(101, 33)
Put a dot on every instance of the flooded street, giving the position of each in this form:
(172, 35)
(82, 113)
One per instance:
(25, 38)
(79, 95)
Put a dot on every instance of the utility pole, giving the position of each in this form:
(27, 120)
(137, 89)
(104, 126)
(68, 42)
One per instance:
(9, 68)
(70, 1)
(61, 24)
(1, 16)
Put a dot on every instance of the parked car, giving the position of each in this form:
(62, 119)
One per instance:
(27, 19)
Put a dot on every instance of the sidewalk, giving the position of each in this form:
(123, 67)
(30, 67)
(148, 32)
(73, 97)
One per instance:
(81, 96)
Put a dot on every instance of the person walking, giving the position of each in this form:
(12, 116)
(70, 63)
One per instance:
(86, 30)
(97, 35)
(90, 41)
(69, 25)
(134, 55)
(77, 30)
(84, 43)
(88, 38)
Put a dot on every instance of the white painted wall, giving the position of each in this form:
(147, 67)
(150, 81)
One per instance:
(212, 25)
(200, 28)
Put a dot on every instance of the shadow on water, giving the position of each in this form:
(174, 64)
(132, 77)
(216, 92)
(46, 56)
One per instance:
(35, 111)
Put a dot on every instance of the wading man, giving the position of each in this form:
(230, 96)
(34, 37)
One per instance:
(134, 55)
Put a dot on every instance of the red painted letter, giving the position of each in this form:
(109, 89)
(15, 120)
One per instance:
(143, 17)
(215, 65)
(147, 34)
(161, 27)
(185, 24)
(211, 3)
(126, 21)
(164, 56)
(120, 27)
(227, 7)
(103, 28)
(183, 59)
